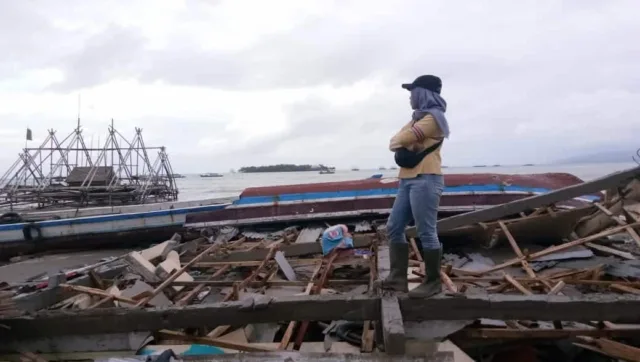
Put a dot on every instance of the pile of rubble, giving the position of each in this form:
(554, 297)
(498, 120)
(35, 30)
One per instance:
(269, 276)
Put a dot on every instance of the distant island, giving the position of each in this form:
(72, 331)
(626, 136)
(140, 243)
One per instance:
(282, 168)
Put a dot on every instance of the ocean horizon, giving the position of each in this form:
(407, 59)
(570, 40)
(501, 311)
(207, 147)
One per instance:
(194, 187)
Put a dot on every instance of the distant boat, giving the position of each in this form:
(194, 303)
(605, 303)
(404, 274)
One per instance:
(355, 169)
(480, 166)
(528, 164)
(327, 170)
(382, 168)
(393, 168)
(177, 175)
(211, 174)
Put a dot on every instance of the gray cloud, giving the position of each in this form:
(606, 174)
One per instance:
(531, 81)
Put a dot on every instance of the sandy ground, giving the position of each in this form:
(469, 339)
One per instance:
(20, 271)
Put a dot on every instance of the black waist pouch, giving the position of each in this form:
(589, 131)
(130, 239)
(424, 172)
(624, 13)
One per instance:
(409, 159)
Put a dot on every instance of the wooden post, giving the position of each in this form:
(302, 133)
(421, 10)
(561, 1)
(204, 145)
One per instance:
(393, 332)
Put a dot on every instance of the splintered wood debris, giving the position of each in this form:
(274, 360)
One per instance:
(219, 289)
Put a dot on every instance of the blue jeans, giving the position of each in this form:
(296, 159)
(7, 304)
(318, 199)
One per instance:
(417, 198)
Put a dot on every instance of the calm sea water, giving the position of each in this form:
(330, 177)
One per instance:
(194, 187)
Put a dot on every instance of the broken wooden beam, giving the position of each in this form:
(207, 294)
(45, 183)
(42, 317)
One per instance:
(259, 310)
(501, 333)
(552, 197)
(615, 308)
(611, 251)
(517, 285)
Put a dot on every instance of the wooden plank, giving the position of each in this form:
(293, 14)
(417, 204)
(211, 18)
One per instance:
(611, 251)
(612, 307)
(179, 336)
(625, 289)
(557, 248)
(366, 341)
(514, 207)
(264, 310)
(392, 326)
(293, 250)
(500, 333)
(517, 285)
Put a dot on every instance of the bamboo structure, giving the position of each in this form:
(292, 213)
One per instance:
(68, 173)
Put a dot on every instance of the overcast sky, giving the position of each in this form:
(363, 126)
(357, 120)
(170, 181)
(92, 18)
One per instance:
(225, 84)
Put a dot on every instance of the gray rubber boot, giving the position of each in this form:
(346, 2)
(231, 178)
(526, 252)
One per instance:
(432, 284)
(399, 263)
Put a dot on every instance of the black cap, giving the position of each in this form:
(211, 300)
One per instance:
(430, 82)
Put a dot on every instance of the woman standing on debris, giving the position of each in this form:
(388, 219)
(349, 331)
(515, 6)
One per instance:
(417, 151)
